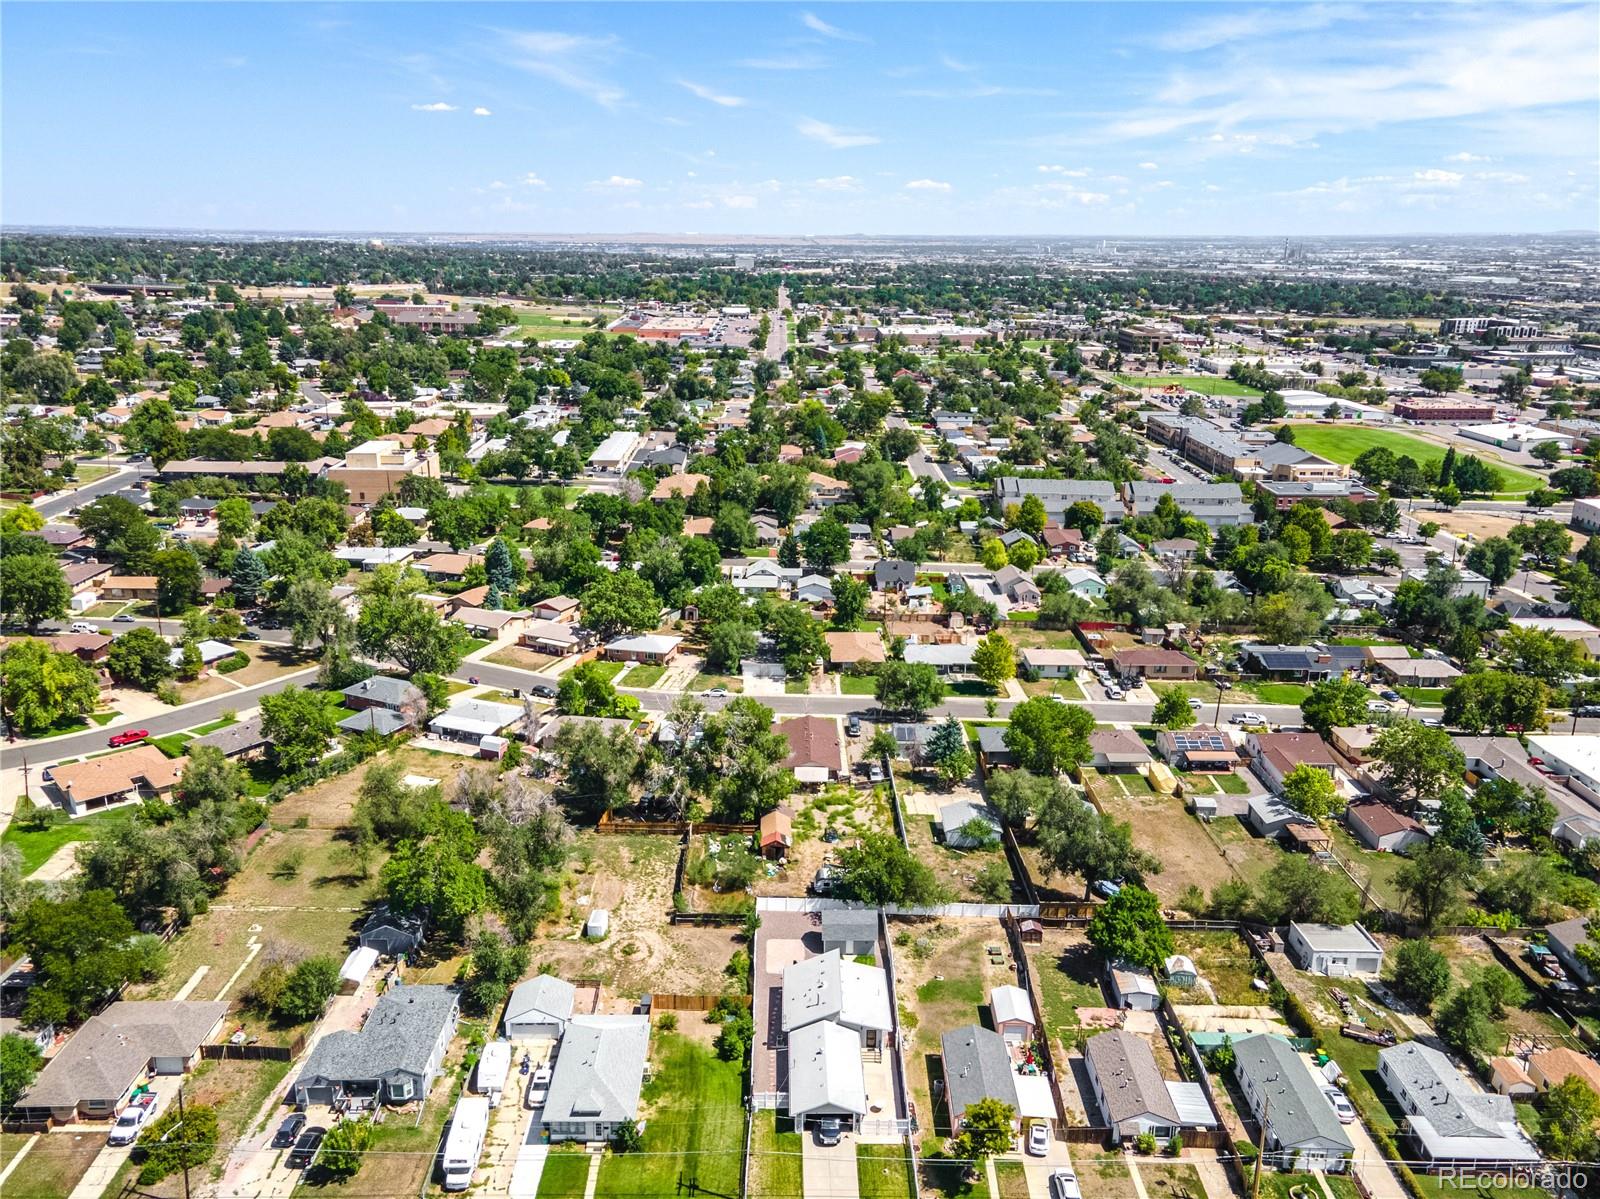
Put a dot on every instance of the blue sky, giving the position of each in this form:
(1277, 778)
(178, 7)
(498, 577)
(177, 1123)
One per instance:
(1131, 118)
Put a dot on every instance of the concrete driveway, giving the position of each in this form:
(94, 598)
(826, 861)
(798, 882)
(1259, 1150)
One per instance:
(830, 1170)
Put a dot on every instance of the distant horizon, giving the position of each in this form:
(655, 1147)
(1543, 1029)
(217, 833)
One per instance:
(1090, 119)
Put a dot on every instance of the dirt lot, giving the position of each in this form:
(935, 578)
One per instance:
(523, 659)
(943, 979)
(632, 878)
(329, 803)
(1479, 525)
(1162, 826)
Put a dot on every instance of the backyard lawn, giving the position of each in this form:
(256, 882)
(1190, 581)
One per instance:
(1345, 443)
(694, 1129)
(1282, 693)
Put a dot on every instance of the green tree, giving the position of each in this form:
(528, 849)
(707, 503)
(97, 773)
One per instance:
(994, 660)
(494, 966)
(1085, 515)
(947, 752)
(986, 1130)
(167, 1148)
(1464, 1023)
(40, 688)
(439, 874)
(825, 544)
(1017, 794)
(1417, 762)
(307, 989)
(178, 579)
(1030, 516)
(1129, 927)
(1495, 558)
(20, 1060)
(797, 636)
(81, 953)
(599, 766)
(142, 657)
(912, 688)
(878, 870)
(1075, 838)
(209, 777)
(849, 600)
(1432, 881)
(1311, 791)
(502, 566)
(1048, 737)
(1297, 889)
(314, 615)
(1567, 1121)
(1420, 974)
(33, 588)
(619, 602)
(1335, 703)
(728, 644)
(1497, 701)
(344, 1148)
(993, 554)
(1172, 710)
(299, 724)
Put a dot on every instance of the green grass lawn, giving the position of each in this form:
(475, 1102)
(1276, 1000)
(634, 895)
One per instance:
(608, 670)
(695, 1127)
(1423, 697)
(950, 1180)
(1231, 784)
(1346, 443)
(1282, 693)
(1205, 384)
(775, 1159)
(884, 1172)
(36, 847)
(565, 1176)
(172, 744)
(1013, 1180)
(857, 684)
(642, 676)
(215, 725)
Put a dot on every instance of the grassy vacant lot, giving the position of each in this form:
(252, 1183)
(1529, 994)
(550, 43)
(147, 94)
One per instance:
(1377, 870)
(1162, 826)
(1224, 961)
(957, 869)
(1346, 443)
(1105, 1176)
(1171, 1180)
(1214, 385)
(36, 847)
(775, 1159)
(694, 1128)
(1069, 978)
(53, 1166)
(1249, 855)
(884, 1172)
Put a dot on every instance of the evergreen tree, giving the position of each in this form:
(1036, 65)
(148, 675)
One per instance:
(248, 577)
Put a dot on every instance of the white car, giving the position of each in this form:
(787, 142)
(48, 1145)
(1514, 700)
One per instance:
(1064, 1185)
(1196, 703)
(1377, 705)
(1038, 1139)
(1340, 1104)
(716, 693)
(133, 1118)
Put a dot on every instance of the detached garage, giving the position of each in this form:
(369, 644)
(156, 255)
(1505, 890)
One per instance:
(539, 1007)
(1334, 949)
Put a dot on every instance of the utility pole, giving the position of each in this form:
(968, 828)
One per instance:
(1261, 1148)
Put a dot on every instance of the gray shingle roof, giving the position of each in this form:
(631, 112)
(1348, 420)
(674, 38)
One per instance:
(1298, 1111)
(1444, 1097)
(399, 1035)
(600, 1069)
(104, 1057)
(375, 720)
(976, 1066)
(544, 998)
(1130, 1081)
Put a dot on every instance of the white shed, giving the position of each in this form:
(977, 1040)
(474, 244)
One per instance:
(598, 924)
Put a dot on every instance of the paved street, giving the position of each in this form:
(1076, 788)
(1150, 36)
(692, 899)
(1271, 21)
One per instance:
(778, 337)
(124, 476)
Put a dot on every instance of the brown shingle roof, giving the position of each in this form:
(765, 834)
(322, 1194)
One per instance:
(813, 741)
(115, 774)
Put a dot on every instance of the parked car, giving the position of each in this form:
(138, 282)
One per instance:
(1341, 1105)
(1588, 710)
(1392, 696)
(874, 772)
(122, 618)
(543, 690)
(1196, 702)
(133, 1118)
(305, 1149)
(82, 626)
(829, 1131)
(1105, 888)
(131, 737)
(1064, 1185)
(852, 727)
(1113, 692)
(288, 1131)
(1377, 705)
(248, 635)
(1038, 1139)
(715, 693)
(1432, 722)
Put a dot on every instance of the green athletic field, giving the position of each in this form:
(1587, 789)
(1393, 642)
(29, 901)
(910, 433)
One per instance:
(1211, 385)
(1346, 443)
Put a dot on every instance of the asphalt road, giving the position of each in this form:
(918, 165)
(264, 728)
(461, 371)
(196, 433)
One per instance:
(124, 476)
(778, 336)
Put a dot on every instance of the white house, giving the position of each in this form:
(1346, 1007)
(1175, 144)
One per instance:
(1334, 949)
(825, 1074)
(597, 1078)
(828, 987)
(1448, 1119)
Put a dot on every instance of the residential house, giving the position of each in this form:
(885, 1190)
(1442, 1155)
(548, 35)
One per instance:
(853, 932)
(993, 751)
(956, 829)
(1269, 815)
(447, 566)
(473, 720)
(1128, 1088)
(492, 624)
(1448, 1120)
(1052, 663)
(1017, 587)
(383, 705)
(764, 576)
(826, 1076)
(1564, 939)
(1378, 826)
(1118, 751)
(977, 1066)
(561, 609)
(768, 530)
(598, 1076)
(1551, 1067)
(1162, 665)
(816, 753)
(657, 649)
(1302, 663)
(143, 772)
(949, 658)
(776, 833)
(1202, 747)
(130, 587)
(1299, 1129)
(1084, 582)
(1508, 1077)
(242, 739)
(94, 1075)
(1417, 672)
(1333, 949)
(1275, 755)
(851, 649)
(556, 638)
(392, 933)
(893, 574)
(1059, 541)
(678, 485)
(814, 589)
(829, 987)
(396, 1056)
(540, 1006)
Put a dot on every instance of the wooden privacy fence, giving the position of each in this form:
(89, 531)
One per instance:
(610, 826)
(693, 1003)
(254, 1053)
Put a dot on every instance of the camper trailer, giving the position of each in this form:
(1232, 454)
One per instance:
(493, 1068)
(464, 1145)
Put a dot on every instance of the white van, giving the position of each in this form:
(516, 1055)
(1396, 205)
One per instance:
(83, 626)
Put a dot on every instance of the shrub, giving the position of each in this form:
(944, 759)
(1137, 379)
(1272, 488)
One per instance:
(193, 1147)
(733, 1042)
(667, 1021)
(238, 662)
(169, 694)
(1145, 1143)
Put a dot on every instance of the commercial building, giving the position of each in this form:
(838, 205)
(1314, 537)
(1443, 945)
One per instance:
(1453, 412)
(375, 468)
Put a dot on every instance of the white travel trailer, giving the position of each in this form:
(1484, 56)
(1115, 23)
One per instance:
(464, 1146)
(493, 1068)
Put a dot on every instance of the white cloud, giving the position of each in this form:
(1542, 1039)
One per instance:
(1501, 177)
(928, 185)
(1434, 175)
(785, 62)
(1216, 31)
(1149, 166)
(832, 135)
(837, 183)
(738, 201)
(1054, 194)
(616, 183)
(1466, 156)
(565, 59)
(817, 25)
(1050, 168)
(439, 106)
(711, 95)
(531, 179)
(481, 111)
(952, 63)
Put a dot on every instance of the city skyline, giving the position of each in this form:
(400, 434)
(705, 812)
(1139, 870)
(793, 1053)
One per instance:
(832, 120)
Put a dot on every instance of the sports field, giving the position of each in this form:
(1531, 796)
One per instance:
(1346, 443)
(547, 325)
(1211, 385)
